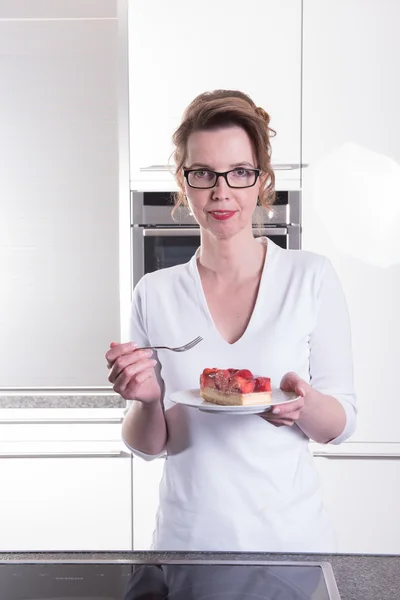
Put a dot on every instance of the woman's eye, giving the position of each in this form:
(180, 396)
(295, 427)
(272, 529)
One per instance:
(202, 174)
(240, 173)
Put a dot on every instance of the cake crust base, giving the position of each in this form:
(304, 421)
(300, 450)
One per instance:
(252, 399)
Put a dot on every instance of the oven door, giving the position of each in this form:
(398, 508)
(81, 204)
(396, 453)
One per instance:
(156, 248)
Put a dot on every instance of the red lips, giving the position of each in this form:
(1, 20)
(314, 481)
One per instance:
(222, 215)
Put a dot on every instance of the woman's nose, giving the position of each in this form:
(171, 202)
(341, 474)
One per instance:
(221, 188)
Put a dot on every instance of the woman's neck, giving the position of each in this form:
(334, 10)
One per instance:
(231, 259)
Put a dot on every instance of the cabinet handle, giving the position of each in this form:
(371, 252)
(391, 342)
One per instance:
(276, 167)
(59, 421)
(358, 455)
(158, 168)
(67, 454)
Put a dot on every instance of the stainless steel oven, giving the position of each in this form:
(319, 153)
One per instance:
(159, 241)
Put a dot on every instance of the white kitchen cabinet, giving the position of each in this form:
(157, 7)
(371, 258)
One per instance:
(351, 189)
(59, 200)
(145, 494)
(65, 503)
(350, 89)
(363, 497)
(178, 50)
(66, 480)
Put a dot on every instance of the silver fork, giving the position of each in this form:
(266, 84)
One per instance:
(187, 346)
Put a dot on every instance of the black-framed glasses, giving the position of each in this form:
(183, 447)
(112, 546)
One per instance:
(203, 179)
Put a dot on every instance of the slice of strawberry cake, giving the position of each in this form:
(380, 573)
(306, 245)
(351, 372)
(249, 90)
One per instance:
(234, 387)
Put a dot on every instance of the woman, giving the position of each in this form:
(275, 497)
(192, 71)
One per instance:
(237, 483)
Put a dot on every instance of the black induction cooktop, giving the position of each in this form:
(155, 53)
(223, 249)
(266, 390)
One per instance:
(191, 580)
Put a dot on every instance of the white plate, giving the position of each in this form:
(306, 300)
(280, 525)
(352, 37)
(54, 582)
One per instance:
(193, 399)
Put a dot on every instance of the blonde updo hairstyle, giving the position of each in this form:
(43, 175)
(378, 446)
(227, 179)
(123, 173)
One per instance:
(226, 108)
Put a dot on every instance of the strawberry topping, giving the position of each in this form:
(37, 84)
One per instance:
(222, 378)
(241, 384)
(262, 384)
(240, 381)
(245, 373)
(209, 371)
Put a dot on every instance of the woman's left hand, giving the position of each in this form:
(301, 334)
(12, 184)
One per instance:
(288, 414)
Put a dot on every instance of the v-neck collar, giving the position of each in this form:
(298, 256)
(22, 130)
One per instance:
(270, 257)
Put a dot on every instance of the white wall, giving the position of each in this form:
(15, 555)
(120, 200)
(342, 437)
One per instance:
(59, 298)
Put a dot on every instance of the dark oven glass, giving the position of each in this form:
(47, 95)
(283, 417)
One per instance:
(162, 251)
(167, 199)
(167, 251)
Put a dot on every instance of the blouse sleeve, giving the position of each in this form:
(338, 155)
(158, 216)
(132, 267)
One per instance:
(331, 363)
(139, 334)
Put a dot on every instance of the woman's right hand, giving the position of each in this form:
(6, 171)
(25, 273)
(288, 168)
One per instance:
(132, 373)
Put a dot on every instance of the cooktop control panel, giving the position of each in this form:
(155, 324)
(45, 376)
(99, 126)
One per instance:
(192, 580)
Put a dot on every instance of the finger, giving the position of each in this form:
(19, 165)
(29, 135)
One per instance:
(291, 382)
(133, 389)
(144, 375)
(132, 371)
(288, 381)
(118, 350)
(130, 364)
(124, 360)
(283, 422)
(278, 422)
(288, 407)
(112, 345)
(129, 389)
(290, 417)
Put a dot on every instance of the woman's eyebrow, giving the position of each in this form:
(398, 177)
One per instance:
(202, 165)
(205, 166)
(242, 164)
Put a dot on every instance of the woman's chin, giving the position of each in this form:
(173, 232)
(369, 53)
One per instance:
(224, 232)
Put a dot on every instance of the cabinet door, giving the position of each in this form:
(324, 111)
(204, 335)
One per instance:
(351, 190)
(350, 88)
(58, 196)
(363, 496)
(179, 49)
(57, 504)
(146, 481)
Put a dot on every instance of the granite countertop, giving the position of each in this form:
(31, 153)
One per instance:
(62, 401)
(358, 576)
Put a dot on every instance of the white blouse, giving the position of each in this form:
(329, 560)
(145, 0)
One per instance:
(237, 482)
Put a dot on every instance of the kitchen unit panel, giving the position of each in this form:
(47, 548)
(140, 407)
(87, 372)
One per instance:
(351, 189)
(145, 486)
(350, 90)
(363, 496)
(59, 189)
(178, 50)
(59, 502)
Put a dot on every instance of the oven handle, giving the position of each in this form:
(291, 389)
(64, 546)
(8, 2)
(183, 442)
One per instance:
(170, 232)
(271, 230)
(194, 231)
